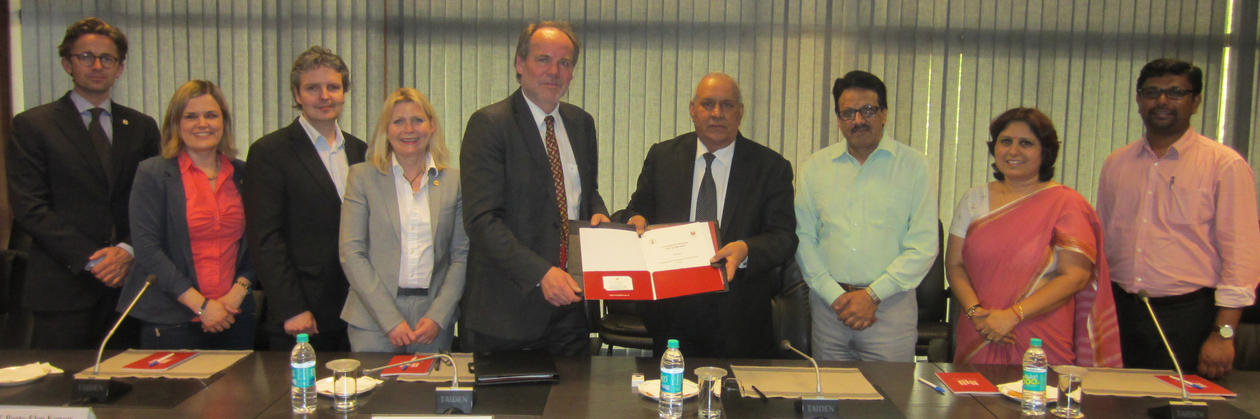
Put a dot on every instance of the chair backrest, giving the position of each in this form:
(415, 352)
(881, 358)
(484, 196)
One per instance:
(790, 311)
(931, 293)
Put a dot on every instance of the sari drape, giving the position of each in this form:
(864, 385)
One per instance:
(1010, 253)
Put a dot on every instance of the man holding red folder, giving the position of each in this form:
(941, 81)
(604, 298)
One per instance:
(716, 174)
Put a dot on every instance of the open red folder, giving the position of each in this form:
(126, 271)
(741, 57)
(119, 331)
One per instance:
(670, 261)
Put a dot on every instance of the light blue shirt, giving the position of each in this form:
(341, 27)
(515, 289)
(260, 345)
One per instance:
(85, 111)
(871, 224)
(107, 123)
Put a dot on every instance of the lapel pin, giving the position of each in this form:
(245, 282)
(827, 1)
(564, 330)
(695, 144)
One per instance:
(126, 122)
(436, 183)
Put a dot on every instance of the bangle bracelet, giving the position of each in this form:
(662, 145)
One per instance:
(1019, 311)
(971, 311)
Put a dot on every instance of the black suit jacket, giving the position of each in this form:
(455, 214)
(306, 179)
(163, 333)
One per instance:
(62, 198)
(294, 215)
(758, 210)
(510, 214)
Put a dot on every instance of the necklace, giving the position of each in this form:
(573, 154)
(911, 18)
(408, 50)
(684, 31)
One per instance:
(412, 179)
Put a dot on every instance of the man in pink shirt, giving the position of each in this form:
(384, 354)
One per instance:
(1179, 215)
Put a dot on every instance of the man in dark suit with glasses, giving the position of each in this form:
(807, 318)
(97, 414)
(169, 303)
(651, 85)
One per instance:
(71, 163)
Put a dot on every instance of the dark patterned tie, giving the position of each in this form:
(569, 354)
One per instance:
(100, 142)
(557, 176)
(706, 200)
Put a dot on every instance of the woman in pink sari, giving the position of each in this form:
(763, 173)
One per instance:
(1025, 258)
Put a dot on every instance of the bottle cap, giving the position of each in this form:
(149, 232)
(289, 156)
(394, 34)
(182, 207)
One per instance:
(1035, 342)
(303, 338)
(671, 344)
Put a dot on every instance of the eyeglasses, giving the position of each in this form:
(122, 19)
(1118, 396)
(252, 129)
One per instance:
(1173, 93)
(867, 112)
(86, 59)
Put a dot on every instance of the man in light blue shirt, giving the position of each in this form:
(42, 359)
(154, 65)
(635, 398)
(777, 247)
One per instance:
(866, 219)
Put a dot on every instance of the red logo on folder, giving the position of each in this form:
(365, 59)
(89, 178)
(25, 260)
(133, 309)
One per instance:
(967, 383)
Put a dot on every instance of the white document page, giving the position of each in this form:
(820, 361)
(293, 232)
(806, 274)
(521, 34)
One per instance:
(610, 249)
(678, 247)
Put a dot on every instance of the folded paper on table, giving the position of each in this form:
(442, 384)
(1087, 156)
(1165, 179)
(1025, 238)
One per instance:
(793, 382)
(1145, 383)
(666, 262)
(205, 365)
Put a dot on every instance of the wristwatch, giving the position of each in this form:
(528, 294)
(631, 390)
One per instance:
(1226, 331)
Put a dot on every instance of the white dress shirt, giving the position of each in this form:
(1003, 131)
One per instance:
(720, 170)
(572, 180)
(415, 265)
(333, 156)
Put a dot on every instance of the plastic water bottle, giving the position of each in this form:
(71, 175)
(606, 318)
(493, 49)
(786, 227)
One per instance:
(1034, 392)
(302, 364)
(670, 404)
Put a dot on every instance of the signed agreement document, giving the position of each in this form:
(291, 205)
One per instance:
(668, 261)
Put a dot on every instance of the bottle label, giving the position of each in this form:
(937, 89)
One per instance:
(671, 380)
(303, 374)
(1035, 380)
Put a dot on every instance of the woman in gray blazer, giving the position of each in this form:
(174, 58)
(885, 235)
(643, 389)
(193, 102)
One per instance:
(188, 226)
(403, 246)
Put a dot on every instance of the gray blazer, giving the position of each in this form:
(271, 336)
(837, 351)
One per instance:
(370, 252)
(159, 232)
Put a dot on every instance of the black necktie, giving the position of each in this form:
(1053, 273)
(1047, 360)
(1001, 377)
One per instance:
(706, 201)
(100, 142)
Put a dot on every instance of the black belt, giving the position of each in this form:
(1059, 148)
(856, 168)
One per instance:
(408, 292)
(851, 288)
(1200, 293)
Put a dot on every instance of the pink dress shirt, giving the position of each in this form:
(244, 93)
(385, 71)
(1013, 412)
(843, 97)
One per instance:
(1180, 222)
(216, 221)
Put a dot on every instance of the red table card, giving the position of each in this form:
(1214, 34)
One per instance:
(1198, 385)
(160, 361)
(418, 368)
(967, 383)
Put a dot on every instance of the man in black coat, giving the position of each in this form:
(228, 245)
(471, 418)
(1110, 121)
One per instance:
(297, 176)
(715, 174)
(70, 166)
(529, 165)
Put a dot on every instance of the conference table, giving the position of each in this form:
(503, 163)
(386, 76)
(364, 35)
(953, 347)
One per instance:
(589, 387)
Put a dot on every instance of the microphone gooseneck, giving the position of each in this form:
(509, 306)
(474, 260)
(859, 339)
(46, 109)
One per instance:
(1146, 299)
(96, 368)
(817, 372)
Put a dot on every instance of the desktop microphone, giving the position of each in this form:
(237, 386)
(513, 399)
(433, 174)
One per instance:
(453, 399)
(1175, 409)
(816, 405)
(100, 390)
